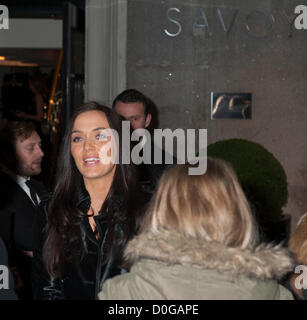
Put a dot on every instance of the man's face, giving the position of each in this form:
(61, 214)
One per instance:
(133, 112)
(29, 155)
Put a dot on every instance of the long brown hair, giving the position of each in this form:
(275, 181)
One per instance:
(64, 218)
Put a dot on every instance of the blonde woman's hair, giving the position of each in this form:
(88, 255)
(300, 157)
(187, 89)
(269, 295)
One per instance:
(298, 242)
(211, 206)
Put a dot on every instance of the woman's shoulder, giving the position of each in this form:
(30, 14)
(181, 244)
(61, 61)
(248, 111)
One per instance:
(130, 285)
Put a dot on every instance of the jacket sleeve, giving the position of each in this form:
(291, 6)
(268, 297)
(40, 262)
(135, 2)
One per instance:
(285, 294)
(44, 286)
(111, 291)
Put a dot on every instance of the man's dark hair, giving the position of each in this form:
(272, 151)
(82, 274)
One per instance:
(9, 134)
(133, 95)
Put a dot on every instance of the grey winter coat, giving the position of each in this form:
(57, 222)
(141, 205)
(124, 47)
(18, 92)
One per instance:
(168, 265)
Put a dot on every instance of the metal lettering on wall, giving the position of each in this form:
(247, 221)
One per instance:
(231, 105)
(258, 23)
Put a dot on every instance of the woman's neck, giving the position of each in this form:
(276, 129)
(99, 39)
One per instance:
(98, 190)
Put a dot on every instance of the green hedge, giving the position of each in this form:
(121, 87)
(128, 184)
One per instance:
(261, 175)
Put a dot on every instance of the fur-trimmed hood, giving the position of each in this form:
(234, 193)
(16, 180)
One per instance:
(264, 262)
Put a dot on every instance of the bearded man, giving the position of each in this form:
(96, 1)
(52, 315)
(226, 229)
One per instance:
(20, 157)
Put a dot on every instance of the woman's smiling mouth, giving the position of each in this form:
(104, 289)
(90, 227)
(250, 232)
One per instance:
(90, 161)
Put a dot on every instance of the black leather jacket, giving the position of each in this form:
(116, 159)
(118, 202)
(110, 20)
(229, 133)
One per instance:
(83, 277)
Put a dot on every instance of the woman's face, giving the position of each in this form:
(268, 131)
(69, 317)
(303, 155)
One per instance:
(91, 142)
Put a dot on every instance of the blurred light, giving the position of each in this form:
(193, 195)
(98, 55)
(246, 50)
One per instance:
(14, 63)
(2, 58)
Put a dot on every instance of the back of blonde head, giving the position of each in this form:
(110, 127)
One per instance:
(211, 206)
(298, 242)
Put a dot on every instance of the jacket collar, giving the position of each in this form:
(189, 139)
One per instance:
(265, 261)
(82, 198)
(83, 201)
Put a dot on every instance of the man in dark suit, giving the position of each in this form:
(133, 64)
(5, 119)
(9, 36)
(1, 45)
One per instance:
(21, 156)
(137, 108)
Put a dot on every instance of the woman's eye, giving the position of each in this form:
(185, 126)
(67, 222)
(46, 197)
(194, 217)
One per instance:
(76, 139)
(101, 137)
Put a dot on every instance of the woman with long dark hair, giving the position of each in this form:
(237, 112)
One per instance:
(92, 213)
